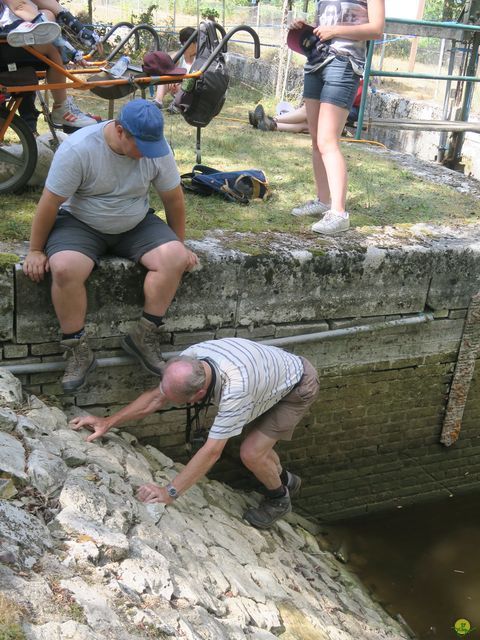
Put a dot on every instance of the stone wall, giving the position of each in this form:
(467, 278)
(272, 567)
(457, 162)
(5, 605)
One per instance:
(372, 439)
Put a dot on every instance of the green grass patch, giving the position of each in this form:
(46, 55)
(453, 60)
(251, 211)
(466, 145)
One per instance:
(380, 192)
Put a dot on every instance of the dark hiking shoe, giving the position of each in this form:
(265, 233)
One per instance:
(267, 124)
(252, 120)
(294, 483)
(268, 511)
(143, 342)
(258, 114)
(80, 361)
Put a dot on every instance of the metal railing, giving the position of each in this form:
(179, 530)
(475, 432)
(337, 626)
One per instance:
(445, 30)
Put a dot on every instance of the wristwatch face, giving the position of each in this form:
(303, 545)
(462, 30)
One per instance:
(172, 492)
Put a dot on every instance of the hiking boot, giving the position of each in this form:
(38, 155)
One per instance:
(258, 114)
(70, 115)
(268, 511)
(310, 208)
(252, 120)
(32, 33)
(293, 484)
(143, 342)
(332, 223)
(267, 124)
(80, 361)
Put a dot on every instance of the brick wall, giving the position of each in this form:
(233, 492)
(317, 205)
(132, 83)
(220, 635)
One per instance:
(372, 438)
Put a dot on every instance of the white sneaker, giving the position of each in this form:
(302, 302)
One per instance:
(31, 33)
(68, 114)
(310, 208)
(332, 223)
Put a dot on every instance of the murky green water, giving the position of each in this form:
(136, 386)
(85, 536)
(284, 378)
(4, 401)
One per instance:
(421, 562)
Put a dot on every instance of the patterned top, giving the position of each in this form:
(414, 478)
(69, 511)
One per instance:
(331, 12)
(250, 379)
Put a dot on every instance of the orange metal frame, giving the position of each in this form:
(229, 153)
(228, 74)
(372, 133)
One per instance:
(73, 81)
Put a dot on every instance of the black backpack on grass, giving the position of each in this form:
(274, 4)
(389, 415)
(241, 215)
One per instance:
(201, 99)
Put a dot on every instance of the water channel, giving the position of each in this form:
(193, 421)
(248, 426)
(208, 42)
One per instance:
(422, 562)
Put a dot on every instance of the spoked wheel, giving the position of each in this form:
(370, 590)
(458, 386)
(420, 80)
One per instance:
(18, 154)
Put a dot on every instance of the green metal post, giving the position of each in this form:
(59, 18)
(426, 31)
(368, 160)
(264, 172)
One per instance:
(366, 78)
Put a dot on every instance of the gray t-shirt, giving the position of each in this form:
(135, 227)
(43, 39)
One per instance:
(105, 190)
(332, 12)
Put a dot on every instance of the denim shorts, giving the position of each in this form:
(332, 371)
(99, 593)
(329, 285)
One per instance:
(71, 234)
(335, 83)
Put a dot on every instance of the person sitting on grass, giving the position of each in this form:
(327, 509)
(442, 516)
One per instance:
(295, 120)
(185, 61)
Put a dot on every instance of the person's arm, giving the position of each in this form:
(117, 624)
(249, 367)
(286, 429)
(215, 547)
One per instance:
(174, 205)
(36, 262)
(371, 30)
(196, 468)
(144, 405)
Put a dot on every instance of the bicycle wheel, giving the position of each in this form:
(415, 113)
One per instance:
(18, 155)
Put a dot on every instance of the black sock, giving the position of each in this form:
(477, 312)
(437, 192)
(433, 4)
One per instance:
(276, 493)
(284, 477)
(75, 335)
(157, 320)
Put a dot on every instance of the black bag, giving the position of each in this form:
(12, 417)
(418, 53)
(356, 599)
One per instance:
(201, 99)
(234, 186)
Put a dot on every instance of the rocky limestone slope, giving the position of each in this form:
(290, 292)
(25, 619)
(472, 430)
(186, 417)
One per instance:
(82, 559)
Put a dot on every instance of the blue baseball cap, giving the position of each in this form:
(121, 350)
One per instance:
(144, 121)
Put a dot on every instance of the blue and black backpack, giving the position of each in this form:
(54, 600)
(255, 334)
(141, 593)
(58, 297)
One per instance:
(234, 186)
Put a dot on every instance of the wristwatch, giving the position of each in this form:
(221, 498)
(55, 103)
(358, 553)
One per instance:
(172, 492)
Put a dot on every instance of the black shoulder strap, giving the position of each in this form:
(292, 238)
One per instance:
(200, 433)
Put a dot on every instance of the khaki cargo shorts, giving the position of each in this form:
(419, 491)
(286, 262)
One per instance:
(279, 421)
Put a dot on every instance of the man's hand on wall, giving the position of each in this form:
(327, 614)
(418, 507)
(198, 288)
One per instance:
(99, 426)
(35, 265)
(193, 261)
(151, 493)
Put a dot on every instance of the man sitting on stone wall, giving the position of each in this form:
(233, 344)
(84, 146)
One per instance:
(254, 386)
(95, 202)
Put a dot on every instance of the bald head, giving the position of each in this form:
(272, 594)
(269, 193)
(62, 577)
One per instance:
(183, 378)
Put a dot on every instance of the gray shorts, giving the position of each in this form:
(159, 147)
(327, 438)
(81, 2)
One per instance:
(70, 234)
(279, 421)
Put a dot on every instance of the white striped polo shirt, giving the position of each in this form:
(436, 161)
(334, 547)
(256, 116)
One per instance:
(251, 378)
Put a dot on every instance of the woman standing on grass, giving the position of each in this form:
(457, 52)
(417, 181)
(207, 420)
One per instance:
(332, 75)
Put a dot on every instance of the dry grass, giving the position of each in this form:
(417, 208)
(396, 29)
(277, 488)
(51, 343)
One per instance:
(10, 618)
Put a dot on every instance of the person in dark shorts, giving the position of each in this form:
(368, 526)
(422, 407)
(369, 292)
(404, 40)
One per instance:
(260, 390)
(95, 202)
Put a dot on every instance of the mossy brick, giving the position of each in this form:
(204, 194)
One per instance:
(225, 332)
(15, 350)
(253, 333)
(457, 313)
(46, 349)
(7, 312)
(187, 338)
